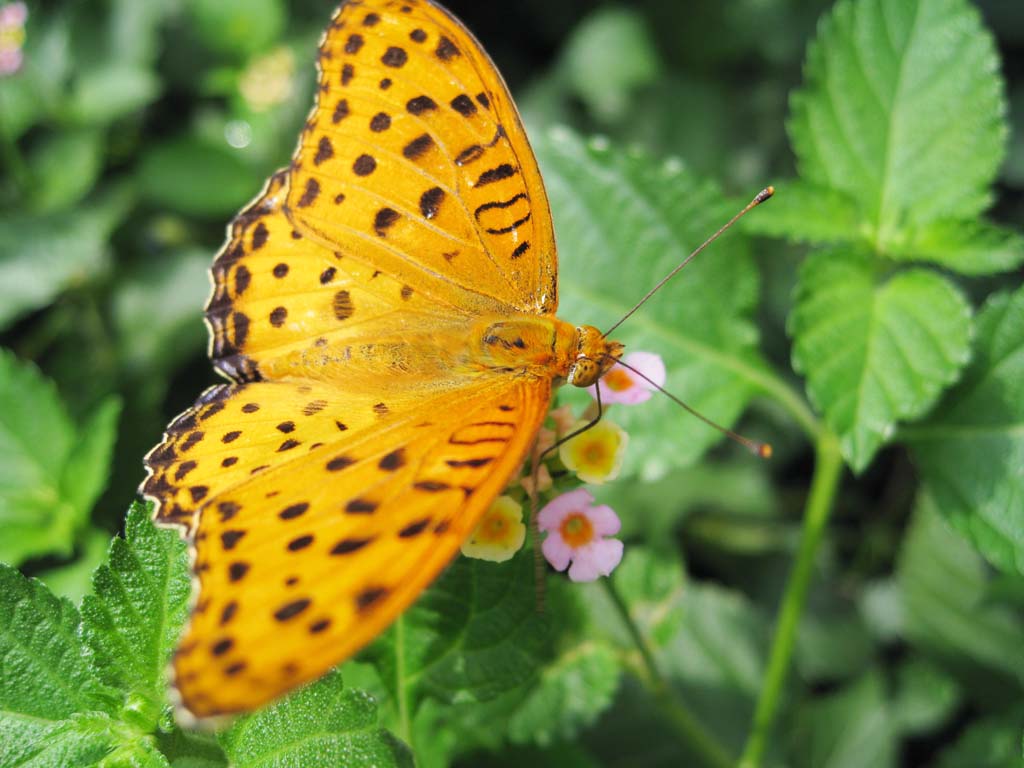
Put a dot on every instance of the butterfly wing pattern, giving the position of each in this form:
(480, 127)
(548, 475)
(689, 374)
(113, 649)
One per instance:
(359, 442)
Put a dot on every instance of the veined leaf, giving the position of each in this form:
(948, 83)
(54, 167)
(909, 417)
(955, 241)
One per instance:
(903, 110)
(971, 450)
(875, 354)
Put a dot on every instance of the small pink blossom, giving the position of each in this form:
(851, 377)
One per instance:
(12, 37)
(621, 385)
(575, 533)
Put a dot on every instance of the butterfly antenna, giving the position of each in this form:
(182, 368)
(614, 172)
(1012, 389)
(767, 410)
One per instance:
(761, 196)
(589, 425)
(756, 447)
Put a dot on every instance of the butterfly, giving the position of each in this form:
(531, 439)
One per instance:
(385, 314)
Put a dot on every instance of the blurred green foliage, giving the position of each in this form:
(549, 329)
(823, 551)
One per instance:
(872, 310)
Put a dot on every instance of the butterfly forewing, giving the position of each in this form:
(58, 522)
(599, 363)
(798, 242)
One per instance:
(307, 561)
(415, 161)
(361, 439)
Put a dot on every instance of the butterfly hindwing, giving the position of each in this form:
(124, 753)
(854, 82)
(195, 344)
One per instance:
(304, 563)
(415, 160)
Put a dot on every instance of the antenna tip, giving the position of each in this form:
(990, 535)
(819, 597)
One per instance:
(764, 450)
(764, 194)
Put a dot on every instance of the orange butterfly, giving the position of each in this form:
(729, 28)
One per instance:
(385, 313)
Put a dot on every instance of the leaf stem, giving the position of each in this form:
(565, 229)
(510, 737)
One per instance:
(404, 724)
(697, 740)
(827, 471)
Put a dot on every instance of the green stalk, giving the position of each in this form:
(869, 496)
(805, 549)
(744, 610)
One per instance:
(691, 733)
(401, 692)
(827, 470)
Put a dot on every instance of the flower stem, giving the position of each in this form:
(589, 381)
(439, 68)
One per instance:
(827, 471)
(693, 735)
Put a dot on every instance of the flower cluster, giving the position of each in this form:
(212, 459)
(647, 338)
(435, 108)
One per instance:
(12, 37)
(577, 531)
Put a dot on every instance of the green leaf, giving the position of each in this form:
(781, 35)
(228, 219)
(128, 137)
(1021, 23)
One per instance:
(849, 729)
(903, 110)
(74, 579)
(950, 615)
(571, 694)
(192, 749)
(88, 464)
(605, 83)
(990, 742)
(968, 247)
(971, 451)
(107, 93)
(875, 354)
(322, 724)
(64, 167)
(624, 221)
(50, 473)
(474, 635)
(45, 679)
(195, 178)
(132, 623)
(809, 213)
(41, 255)
(238, 27)
(162, 296)
(926, 697)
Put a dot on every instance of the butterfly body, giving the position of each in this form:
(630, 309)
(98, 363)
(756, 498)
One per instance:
(385, 314)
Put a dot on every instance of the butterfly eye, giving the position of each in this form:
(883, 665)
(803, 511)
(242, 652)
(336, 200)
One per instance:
(584, 372)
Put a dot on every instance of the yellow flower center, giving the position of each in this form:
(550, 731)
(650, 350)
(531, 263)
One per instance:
(617, 380)
(577, 530)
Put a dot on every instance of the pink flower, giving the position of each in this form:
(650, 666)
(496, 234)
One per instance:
(621, 385)
(575, 532)
(12, 37)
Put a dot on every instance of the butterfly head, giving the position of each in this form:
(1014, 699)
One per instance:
(595, 355)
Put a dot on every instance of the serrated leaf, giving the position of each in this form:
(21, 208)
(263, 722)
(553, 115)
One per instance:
(849, 729)
(321, 724)
(50, 472)
(949, 614)
(903, 109)
(132, 623)
(806, 212)
(875, 354)
(571, 694)
(44, 679)
(474, 635)
(624, 221)
(74, 579)
(971, 451)
(968, 247)
(192, 749)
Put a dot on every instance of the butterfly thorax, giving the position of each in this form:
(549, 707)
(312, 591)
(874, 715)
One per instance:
(546, 346)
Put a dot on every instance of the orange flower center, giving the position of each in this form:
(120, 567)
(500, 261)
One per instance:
(595, 452)
(577, 530)
(617, 380)
(495, 527)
